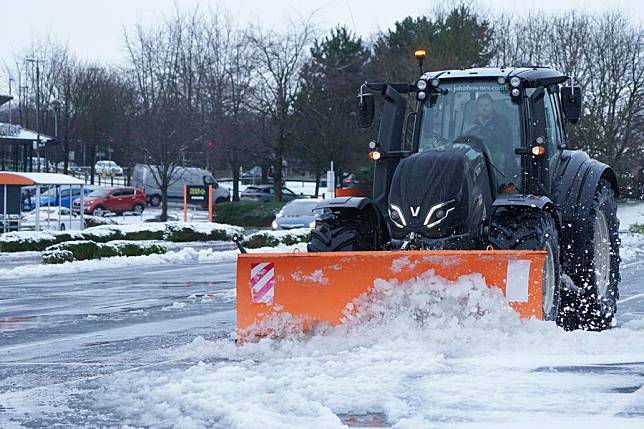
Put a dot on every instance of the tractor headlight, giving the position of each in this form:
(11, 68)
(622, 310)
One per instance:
(421, 85)
(312, 225)
(515, 92)
(435, 82)
(396, 216)
(438, 213)
(515, 82)
(421, 95)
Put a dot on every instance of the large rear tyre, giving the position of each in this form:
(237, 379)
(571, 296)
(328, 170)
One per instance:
(514, 229)
(347, 230)
(597, 270)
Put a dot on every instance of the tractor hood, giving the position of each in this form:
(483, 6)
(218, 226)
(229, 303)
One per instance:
(439, 193)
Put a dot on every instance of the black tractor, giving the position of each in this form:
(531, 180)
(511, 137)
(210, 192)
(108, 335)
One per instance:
(482, 163)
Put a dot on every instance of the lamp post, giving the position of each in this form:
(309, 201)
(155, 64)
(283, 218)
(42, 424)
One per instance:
(11, 100)
(37, 62)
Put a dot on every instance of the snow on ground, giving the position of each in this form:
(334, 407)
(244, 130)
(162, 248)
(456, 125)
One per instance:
(185, 255)
(630, 213)
(425, 353)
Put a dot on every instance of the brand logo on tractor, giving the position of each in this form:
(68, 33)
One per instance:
(414, 211)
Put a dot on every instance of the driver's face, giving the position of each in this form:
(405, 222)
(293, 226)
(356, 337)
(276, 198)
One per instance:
(485, 108)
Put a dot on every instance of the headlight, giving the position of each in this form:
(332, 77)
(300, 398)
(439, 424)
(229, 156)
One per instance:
(515, 82)
(515, 92)
(274, 224)
(421, 95)
(312, 224)
(396, 216)
(421, 85)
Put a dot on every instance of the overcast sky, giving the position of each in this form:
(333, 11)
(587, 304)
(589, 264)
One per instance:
(94, 29)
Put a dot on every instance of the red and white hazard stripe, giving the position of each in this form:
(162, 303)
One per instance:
(262, 283)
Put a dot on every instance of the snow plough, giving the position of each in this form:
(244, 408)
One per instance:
(478, 179)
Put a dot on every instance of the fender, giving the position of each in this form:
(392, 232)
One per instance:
(532, 201)
(573, 192)
(344, 203)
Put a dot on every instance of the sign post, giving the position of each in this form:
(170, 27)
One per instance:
(185, 203)
(210, 203)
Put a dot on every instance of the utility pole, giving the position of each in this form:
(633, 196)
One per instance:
(37, 62)
(10, 101)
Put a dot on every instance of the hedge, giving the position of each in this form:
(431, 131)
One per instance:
(86, 249)
(276, 238)
(171, 231)
(637, 228)
(247, 213)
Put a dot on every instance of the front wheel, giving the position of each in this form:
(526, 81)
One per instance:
(514, 229)
(346, 230)
(99, 211)
(597, 270)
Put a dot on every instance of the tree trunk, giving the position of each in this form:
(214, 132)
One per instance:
(277, 176)
(235, 166)
(317, 183)
(164, 202)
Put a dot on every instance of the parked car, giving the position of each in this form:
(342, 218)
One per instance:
(51, 196)
(296, 214)
(71, 167)
(115, 200)
(143, 177)
(266, 193)
(251, 176)
(108, 167)
(52, 218)
(41, 165)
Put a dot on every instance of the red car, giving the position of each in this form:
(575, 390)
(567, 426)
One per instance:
(115, 200)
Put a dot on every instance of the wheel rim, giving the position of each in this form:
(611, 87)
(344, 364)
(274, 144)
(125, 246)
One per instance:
(601, 247)
(138, 209)
(548, 284)
(98, 212)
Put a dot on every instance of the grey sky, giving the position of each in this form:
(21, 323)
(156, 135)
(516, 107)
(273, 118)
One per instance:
(94, 29)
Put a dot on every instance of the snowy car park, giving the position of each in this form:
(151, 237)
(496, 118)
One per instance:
(148, 342)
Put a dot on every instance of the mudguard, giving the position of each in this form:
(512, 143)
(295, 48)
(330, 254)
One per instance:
(344, 203)
(573, 192)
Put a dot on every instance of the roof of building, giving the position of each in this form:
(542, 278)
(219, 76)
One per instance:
(29, 179)
(15, 134)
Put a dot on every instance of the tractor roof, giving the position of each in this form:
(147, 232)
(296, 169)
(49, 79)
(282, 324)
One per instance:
(532, 76)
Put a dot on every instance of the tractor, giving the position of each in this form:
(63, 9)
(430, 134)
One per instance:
(483, 163)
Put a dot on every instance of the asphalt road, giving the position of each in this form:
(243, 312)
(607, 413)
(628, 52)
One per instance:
(60, 336)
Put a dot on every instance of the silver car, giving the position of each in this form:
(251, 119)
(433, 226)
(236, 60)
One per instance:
(296, 214)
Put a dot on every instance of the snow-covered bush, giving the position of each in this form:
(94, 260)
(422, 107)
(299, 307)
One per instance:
(275, 238)
(87, 249)
(171, 231)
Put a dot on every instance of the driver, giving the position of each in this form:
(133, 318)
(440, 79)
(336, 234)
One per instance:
(494, 130)
(492, 127)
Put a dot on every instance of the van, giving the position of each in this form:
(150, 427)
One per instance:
(143, 178)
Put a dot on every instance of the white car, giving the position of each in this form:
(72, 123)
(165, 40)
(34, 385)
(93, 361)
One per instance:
(52, 218)
(108, 168)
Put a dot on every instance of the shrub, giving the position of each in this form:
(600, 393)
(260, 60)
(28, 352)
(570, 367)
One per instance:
(247, 213)
(86, 250)
(637, 228)
(275, 238)
(91, 221)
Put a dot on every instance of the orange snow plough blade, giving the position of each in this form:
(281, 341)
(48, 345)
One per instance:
(311, 288)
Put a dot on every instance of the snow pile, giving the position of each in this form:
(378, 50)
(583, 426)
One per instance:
(419, 352)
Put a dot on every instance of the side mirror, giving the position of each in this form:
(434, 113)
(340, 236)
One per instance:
(571, 103)
(365, 110)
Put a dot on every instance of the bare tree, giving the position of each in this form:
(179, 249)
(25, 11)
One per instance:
(280, 57)
(163, 65)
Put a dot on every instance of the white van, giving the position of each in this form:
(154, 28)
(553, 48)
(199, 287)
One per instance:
(142, 178)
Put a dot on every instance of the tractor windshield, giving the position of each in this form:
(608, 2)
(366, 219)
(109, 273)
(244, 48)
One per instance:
(475, 112)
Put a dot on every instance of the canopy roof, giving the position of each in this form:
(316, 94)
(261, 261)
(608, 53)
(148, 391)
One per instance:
(15, 134)
(29, 179)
